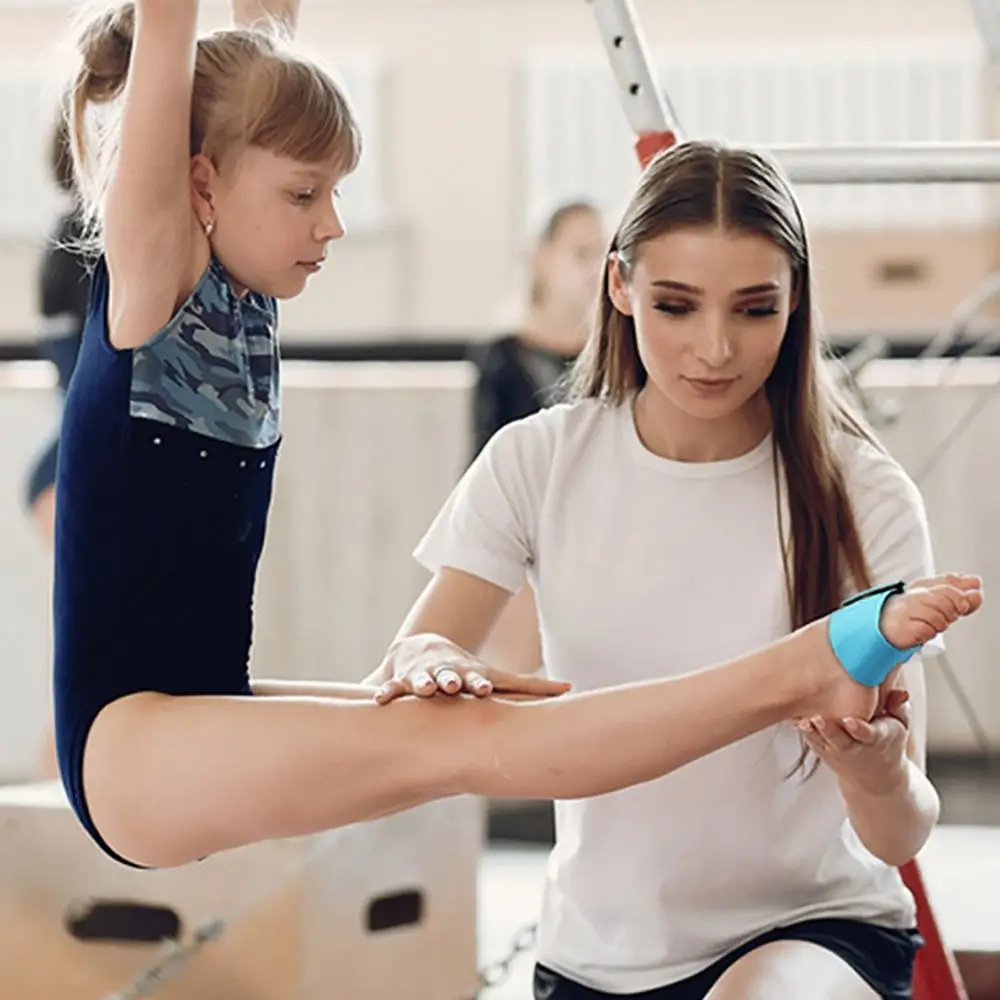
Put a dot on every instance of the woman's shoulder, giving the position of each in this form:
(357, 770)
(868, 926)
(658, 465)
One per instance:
(560, 430)
(564, 420)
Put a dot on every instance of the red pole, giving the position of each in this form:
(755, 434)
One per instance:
(650, 143)
(936, 976)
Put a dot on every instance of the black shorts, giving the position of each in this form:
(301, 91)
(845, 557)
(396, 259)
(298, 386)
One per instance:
(883, 958)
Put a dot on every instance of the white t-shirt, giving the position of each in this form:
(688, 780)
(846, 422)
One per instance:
(645, 567)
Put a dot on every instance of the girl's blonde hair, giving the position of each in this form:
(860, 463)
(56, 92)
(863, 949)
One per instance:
(250, 90)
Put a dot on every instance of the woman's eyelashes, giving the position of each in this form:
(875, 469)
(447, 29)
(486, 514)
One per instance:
(760, 310)
(755, 310)
(674, 308)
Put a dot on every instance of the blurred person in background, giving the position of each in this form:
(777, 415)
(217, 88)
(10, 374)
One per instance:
(521, 372)
(62, 294)
(63, 291)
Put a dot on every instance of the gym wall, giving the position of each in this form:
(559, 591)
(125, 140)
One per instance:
(455, 167)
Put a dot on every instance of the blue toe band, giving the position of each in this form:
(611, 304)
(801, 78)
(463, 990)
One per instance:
(857, 640)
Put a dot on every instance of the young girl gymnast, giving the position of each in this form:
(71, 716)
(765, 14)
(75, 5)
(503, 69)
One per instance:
(212, 177)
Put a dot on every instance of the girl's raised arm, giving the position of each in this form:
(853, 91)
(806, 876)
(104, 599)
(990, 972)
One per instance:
(148, 224)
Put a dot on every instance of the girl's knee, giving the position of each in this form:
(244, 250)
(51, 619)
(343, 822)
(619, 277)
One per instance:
(118, 791)
(789, 970)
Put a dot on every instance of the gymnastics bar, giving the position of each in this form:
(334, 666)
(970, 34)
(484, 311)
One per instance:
(897, 163)
(645, 103)
(655, 124)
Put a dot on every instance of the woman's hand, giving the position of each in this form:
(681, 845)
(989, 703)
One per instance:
(428, 665)
(870, 756)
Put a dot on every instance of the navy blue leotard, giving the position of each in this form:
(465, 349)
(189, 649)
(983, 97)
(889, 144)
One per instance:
(163, 489)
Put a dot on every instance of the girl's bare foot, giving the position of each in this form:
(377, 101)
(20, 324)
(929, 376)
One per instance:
(925, 609)
(928, 607)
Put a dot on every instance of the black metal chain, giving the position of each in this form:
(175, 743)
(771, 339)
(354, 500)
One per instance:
(498, 972)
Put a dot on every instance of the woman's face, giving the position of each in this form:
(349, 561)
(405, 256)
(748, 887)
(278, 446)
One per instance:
(710, 308)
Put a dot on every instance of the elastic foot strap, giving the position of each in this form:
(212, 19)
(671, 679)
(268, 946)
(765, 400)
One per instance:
(857, 640)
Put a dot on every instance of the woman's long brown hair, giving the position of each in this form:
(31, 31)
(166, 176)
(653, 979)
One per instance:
(708, 184)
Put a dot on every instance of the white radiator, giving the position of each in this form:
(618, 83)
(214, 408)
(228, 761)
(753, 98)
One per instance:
(29, 199)
(29, 94)
(363, 193)
(370, 453)
(577, 142)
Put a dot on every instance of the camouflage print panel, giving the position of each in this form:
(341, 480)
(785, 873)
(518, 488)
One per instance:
(214, 368)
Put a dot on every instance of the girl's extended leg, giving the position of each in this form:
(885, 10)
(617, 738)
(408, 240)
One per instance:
(170, 780)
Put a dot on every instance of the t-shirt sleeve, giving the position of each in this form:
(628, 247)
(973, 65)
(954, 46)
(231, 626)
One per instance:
(892, 522)
(488, 525)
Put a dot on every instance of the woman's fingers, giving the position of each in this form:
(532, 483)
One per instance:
(390, 691)
(477, 684)
(457, 672)
(448, 680)
(532, 684)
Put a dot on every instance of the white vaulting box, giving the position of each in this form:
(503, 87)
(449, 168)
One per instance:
(384, 910)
